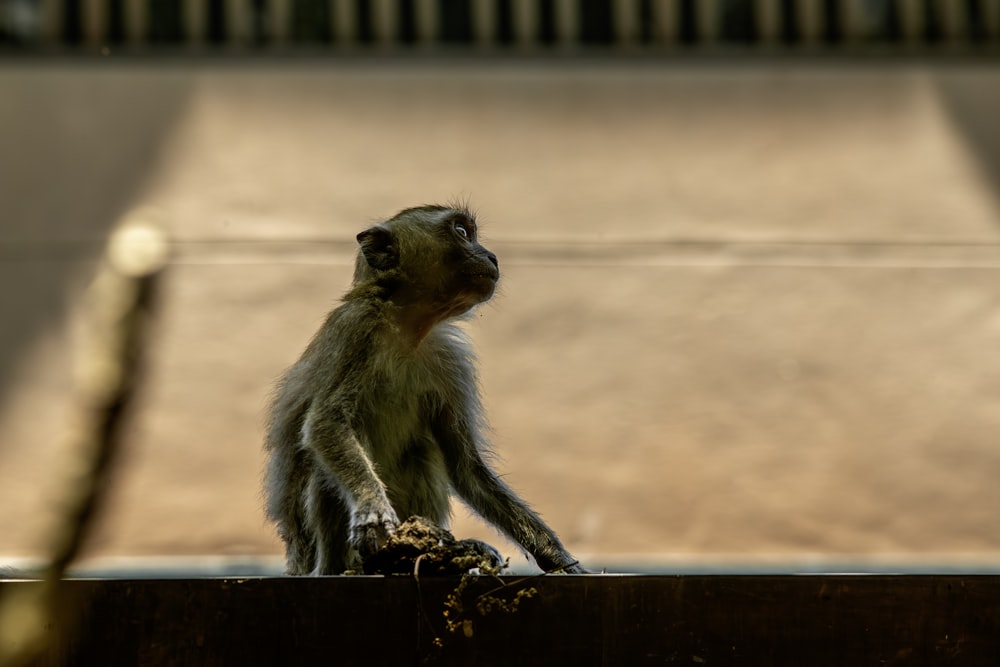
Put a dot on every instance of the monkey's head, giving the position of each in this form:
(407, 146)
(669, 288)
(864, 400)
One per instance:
(428, 260)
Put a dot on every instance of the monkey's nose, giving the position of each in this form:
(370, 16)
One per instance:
(496, 265)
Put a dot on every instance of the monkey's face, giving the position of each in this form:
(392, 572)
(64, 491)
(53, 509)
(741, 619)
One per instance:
(433, 256)
(471, 269)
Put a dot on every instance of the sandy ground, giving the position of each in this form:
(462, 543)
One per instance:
(746, 311)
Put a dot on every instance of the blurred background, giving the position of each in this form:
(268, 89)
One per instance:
(750, 308)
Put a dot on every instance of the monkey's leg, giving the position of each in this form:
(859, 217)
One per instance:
(327, 518)
(286, 479)
(300, 544)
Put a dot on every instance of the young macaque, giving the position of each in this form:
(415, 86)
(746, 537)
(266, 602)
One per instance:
(380, 419)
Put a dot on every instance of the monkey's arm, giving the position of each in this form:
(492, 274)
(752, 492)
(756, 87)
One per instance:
(327, 433)
(478, 485)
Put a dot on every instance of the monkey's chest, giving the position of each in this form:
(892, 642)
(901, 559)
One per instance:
(407, 458)
(394, 413)
(389, 426)
(394, 408)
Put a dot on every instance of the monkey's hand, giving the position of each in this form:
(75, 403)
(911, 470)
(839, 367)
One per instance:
(575, 568)
(560, 562)
(371, 528)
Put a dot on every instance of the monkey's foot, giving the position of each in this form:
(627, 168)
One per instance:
(422, 547)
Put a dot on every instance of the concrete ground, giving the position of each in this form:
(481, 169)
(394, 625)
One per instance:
(747, 310)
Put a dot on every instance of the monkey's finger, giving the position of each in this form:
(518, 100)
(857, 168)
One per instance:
(371, 537)
(575, 568)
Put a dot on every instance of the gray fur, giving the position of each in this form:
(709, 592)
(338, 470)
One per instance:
(380, 419)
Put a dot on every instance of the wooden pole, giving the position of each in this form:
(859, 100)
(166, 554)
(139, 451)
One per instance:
(484, 22)
(95, 22)
(912, 22)
(954, 20)
(194, 22)
(237, 21)
(384, 21)
(279, 22)
(626, 22)
(427, 15)
(666, 20)
(120, 303)
(567, 22)
(991, 18)
(345, 21)
(136, 22)
(51, 15)
(854, 20)
(768, 13)
(525, 22)
(707, 21)
(811, 21)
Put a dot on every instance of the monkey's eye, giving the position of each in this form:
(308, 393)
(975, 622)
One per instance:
(463, 231)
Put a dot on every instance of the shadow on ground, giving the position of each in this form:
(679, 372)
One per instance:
(74, 151)
(972, 100)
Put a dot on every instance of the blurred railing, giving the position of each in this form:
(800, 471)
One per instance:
(639, 24)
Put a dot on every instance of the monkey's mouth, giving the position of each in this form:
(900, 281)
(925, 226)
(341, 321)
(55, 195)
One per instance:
(486, 276)
(484, 281)
(490, 273)
(480, 288)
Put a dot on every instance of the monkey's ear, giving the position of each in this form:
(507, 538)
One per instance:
(378, 248)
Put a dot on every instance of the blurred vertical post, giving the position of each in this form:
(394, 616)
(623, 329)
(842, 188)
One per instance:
(811, 21)
(567, 22)
(626, 22)
(707, 21)
(136, 21)
(525, 22)
(666, 20)
(484, 23)
(768, 15)
(384, 21)
(51, 15)
(854, 19)
(954, 20)
(991, 18)
(344, 17)
(194, 22)
(95, 22)
(237, 21)
(119, 306)
(279, 21)
(911, 21)
(427, 21)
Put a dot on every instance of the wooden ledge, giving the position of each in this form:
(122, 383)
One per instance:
(560, 620)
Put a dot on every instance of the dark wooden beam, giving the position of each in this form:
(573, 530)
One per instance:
(810, 620)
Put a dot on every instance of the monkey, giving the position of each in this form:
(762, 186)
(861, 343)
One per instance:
(381, 419)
